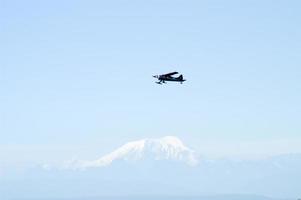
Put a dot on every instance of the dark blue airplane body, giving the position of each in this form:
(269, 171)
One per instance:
(169, 77)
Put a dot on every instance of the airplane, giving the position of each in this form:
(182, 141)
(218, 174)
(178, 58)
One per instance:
(169, 77)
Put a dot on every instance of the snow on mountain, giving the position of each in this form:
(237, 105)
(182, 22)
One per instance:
(166, 148)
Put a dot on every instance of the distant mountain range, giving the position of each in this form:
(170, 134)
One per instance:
(166, 148)
(157, 167)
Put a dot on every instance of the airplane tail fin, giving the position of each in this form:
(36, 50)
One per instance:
(180, 77)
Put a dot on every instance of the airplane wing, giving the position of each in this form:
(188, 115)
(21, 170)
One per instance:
(170, 74)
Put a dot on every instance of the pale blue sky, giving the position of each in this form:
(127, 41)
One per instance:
(79, 72)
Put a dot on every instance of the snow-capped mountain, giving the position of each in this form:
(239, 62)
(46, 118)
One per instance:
(166, 148)
(162, 166)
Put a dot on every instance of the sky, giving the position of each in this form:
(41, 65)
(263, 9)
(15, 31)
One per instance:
(76, 76)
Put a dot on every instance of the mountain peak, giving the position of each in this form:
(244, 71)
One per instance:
(165, 148)
(171, 141)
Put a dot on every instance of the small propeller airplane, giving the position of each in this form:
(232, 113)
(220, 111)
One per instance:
(169, 77)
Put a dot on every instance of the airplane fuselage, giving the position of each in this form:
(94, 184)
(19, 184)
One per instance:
(163, 78)
(169, 77)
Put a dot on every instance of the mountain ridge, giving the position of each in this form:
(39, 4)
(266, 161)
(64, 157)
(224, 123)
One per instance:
(165, 148)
